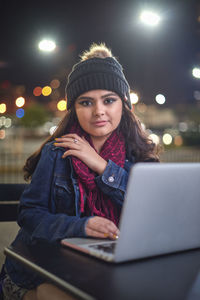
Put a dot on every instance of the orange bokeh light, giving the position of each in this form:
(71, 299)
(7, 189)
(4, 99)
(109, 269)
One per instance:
(178, 141)
(37, 91)
(55, 83)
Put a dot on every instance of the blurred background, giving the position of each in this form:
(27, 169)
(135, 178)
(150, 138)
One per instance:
(157, 42)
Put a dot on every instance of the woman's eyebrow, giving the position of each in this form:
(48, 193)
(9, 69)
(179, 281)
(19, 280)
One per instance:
(85, 98)
(91, 98)
(108, 95)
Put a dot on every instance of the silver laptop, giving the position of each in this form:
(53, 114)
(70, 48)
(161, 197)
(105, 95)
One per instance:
(161, 214)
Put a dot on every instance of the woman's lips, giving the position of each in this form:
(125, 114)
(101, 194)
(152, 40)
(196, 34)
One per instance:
(100, 123)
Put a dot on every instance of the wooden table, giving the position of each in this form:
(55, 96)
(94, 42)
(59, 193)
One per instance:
(168, 277)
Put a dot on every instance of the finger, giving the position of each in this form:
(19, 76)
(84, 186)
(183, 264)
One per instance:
(72, 152)
(111, 226)
(71, 135)
(94, 233)
(67, 144)
(68, 137)
(103, 225)
(67, 140)
(113, 234)
(64, 139)
(118, 232)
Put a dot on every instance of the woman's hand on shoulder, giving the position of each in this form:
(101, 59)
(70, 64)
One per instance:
(80, 148)
(100, 227)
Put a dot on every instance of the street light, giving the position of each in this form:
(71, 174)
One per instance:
(47, 45)
(196, 73)
(20, 101)
(160, 99)
(150, 18)
(134, 98)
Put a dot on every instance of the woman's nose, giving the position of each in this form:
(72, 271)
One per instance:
(99, 110)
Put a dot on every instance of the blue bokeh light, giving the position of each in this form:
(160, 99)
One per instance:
(20, 113)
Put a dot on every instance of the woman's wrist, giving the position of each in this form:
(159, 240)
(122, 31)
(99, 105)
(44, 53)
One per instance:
(101, 166)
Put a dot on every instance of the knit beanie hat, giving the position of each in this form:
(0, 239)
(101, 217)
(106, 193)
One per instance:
(97, 73)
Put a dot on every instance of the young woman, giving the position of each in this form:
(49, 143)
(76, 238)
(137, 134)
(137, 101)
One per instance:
(79, 175)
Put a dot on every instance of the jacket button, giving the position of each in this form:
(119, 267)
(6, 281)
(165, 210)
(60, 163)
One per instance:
(111, 179)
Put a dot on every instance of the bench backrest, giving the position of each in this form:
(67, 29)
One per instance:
(9, 199)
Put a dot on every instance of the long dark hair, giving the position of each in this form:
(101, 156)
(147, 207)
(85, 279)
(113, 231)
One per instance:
(136, 140)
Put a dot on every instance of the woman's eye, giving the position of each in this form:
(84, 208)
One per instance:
(85, 103)
(109, 100)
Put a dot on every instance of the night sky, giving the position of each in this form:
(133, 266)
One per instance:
(155, 60)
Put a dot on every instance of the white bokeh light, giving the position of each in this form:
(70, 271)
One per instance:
(160, 99)
(196, 73)
(150, 18)
(134, 98)
(52, 129)
(8, 123)
(183, 126)
(167, 139)
(155, 138)
(47, 45)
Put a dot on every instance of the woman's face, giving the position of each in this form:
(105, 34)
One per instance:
(99, 113)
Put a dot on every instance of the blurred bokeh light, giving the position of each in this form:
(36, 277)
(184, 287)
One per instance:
(20, 113)
(2, 134)
(46, 91)
(47, 45)
(167, 139)
(134, 98)
(55, 83)
(37, 91)
(196, 73)
(62, 105)
(20, 101)
(183, 126)
(155, 138)
(160, 99)
(178, 140)
(150, 18)
(2, 108)
(52, 130)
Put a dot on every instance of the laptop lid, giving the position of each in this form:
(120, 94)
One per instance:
(161, 213)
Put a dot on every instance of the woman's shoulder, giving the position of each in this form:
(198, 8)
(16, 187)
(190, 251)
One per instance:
(129, 162)
(49, 146)
(51, 156)
(50, 149)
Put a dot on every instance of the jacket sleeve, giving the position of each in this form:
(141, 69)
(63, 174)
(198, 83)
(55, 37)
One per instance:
(113, 181)
(35, 216)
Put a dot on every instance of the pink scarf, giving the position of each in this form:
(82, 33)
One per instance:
(98, 203)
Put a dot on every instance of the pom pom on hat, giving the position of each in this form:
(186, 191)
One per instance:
(96, 50)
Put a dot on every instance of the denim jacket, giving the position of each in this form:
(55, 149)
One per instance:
(49, 207)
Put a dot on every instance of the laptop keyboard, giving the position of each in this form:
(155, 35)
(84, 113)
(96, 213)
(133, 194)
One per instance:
(107, 247)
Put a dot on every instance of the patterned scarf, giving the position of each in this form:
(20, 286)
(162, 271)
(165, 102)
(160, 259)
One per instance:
(98, 203)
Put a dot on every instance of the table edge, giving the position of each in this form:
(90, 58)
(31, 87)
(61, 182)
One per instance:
(62, 283)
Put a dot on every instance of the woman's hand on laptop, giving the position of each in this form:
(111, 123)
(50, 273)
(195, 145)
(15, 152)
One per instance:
(101, 228)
